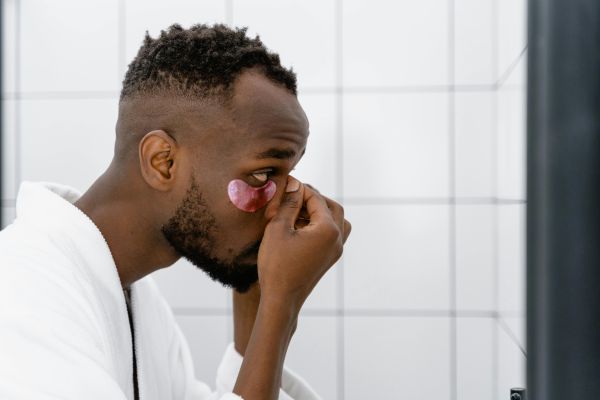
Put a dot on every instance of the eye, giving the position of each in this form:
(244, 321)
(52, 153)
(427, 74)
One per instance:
(262, 176)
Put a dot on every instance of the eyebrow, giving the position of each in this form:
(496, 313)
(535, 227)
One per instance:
(280, 154)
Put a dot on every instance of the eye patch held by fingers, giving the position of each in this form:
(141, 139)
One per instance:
(248, 198)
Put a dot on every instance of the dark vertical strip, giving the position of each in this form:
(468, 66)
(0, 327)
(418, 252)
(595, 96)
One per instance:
(563, 190)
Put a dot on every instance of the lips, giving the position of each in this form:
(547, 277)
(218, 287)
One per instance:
(248, 198)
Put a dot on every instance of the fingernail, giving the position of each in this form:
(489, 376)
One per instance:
(292, 185)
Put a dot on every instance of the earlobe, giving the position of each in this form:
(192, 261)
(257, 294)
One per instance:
(156, 154)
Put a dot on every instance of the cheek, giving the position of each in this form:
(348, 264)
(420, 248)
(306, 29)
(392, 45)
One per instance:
(248, 198)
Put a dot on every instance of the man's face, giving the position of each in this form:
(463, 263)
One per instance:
(264, 132)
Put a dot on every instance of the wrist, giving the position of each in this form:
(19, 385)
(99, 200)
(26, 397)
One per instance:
(280, 310)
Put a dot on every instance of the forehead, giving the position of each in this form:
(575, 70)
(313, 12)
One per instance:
(266, 114)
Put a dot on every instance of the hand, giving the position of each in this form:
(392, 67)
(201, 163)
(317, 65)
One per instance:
(294, 256)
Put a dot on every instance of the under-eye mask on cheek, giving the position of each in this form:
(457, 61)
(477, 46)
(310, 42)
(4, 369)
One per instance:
(248, 198)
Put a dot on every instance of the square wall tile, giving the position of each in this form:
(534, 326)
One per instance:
(156, 15)
(475, 358)
(9, 149)
(511, 144)
(405, 358)
(511, 259)
(475, 275)
(186, 286)
(67, 141)
(301, 32)
(473, 36)
(396, 145)
(511, 366)
(9, 47)
(319, 166)
(207, 339)
(69, 45)
(325, 295)
(397, 257)
(8, 216)
(512, 32)
(313, 354)
(395, 43)
(474, 144)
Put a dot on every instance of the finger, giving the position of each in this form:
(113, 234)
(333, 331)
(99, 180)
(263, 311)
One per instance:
(291, 202)
(316, 207)
(347, 230)
(337, 211)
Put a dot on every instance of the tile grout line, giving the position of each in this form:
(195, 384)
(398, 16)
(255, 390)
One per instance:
(495, 235)
(509, 332)
(509, 70)
(375, 313)
(17, 144)
(121, 17)
(452, 207)
(94, 94)
(339, 110)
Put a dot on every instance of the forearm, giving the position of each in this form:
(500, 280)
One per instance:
(245, 307)
(260, 373)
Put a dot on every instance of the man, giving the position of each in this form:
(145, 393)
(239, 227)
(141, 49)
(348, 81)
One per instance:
(208, 131)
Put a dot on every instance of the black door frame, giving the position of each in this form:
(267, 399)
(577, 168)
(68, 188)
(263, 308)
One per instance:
(563, 194)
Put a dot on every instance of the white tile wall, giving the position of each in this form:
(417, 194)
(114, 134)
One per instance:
(207, 337)
(67, 141)
(517, 327)
(9, 156)
(474, 144)
(302, 32)
(395, 43)
(512, 32)
(475, 358)
(186, 286)
(397, 257)
(511, 366)
(319, 165)
(9, 46)
(315, 344)
(475, 268)
(511, 259)
(396, 145)
(473, 57)
(387, 357)
(69, 45)
(511, 143)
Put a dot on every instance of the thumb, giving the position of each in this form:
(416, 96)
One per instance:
(291, 203)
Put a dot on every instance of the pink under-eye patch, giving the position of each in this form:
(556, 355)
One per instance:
(248, 198)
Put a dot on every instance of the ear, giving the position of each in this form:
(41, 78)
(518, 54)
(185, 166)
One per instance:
(158, 164)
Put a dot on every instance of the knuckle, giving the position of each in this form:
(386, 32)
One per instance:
(290, 201)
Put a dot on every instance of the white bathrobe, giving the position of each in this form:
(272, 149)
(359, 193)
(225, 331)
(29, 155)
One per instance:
(64, 328)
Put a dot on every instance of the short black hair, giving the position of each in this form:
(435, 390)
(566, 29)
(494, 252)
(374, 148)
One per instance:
(200, 62)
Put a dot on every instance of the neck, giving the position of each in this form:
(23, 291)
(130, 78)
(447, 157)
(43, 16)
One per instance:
(116, 205)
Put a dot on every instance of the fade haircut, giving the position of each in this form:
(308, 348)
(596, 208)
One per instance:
(199, 63)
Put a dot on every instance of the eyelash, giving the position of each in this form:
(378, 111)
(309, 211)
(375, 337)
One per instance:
(268, 171)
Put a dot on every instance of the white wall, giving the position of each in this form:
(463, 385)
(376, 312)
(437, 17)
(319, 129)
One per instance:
(417, 126)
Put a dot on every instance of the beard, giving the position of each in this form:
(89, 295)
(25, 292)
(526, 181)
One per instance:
(191, 232)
